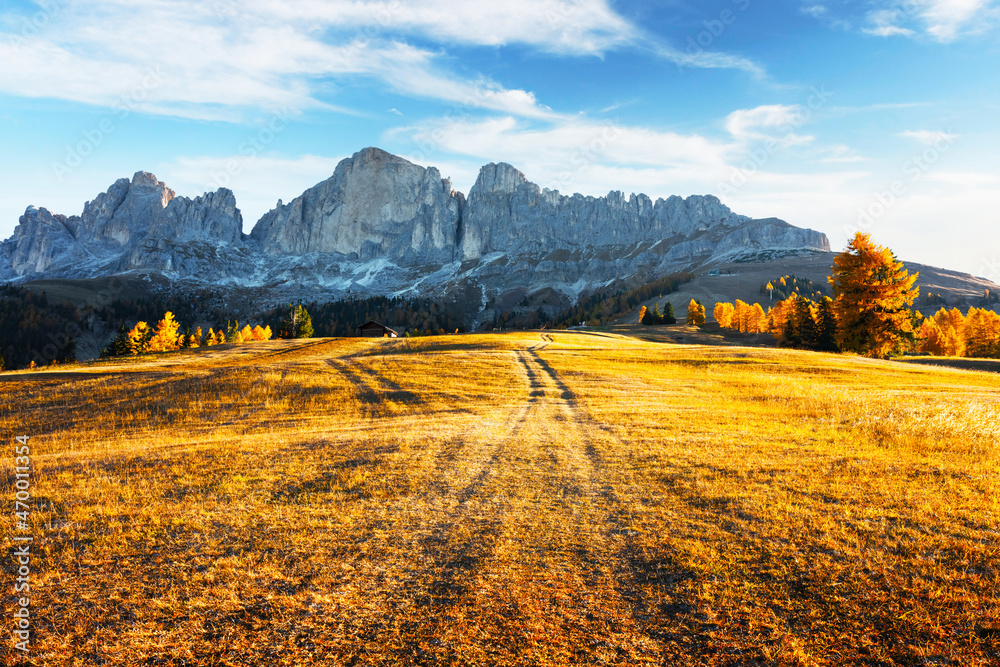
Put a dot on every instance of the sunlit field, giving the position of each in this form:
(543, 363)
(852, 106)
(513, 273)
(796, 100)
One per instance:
(521, 499)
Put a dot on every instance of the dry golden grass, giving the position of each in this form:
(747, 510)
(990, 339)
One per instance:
(524, 499)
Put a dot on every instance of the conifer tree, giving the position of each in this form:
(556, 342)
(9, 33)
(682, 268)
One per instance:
(297, 323)
(656, 317)
(668, 314)
(873, 295)
(826, 326)
(119, 347)
(805, 324)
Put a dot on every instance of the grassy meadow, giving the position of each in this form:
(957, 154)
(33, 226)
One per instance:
(517, 499)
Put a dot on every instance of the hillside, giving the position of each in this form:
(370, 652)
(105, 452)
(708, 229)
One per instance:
(530, 498)
(742, 280)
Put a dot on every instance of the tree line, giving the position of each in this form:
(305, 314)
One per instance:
(598, 308)
(870, 313)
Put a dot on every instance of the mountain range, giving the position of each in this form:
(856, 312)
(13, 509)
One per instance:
(381, 225)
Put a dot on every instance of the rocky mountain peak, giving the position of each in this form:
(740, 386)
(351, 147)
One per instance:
(498, 177)
(375, 205)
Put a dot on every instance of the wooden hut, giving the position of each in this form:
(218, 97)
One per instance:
(375, 330)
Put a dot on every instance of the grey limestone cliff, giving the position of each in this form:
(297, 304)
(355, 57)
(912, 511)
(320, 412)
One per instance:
(138, 224)
(374, 205)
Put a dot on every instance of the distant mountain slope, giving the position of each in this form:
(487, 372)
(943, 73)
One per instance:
(742, 280)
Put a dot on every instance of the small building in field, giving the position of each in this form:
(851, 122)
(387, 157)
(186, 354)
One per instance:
(375, 330)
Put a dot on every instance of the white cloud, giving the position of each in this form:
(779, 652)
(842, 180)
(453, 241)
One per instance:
(946, 19)
(574, 27)
(767, 122)
(930, 138)
(966, 179)
(256, 55)
(564, 151)
(885, 23)
(221, 58)
(941, 20)
(815, 10)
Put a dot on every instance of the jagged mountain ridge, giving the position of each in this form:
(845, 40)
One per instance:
(382, 225)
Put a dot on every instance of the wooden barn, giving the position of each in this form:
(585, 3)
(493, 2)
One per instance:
(376, 330)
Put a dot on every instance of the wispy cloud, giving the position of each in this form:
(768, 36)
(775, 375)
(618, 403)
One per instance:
(771, 121)
(886, 23)
(840, 154)
(938, 20)
(708, 60)
(930, 137)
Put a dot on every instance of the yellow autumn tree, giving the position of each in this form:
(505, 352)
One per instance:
(741, 314)
(781, 317)
(757, 319)
(642, 314)
(165, 336)
(261, 333)
(873, 294)
(982, 333)
(931, 338)
(138, 338)
(695, 314)
(952, 338)
(723, 314)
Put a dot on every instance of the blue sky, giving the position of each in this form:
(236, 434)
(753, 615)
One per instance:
(876, 114)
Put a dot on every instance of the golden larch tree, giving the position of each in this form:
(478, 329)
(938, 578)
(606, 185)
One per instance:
(782, 316)
(952, 325)
(165, 336)
(931, 338)
(723, 314)
(138, 338)
(741, 312)
(261, 333)
(874, 292)
(757, 319)
(695, 314)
